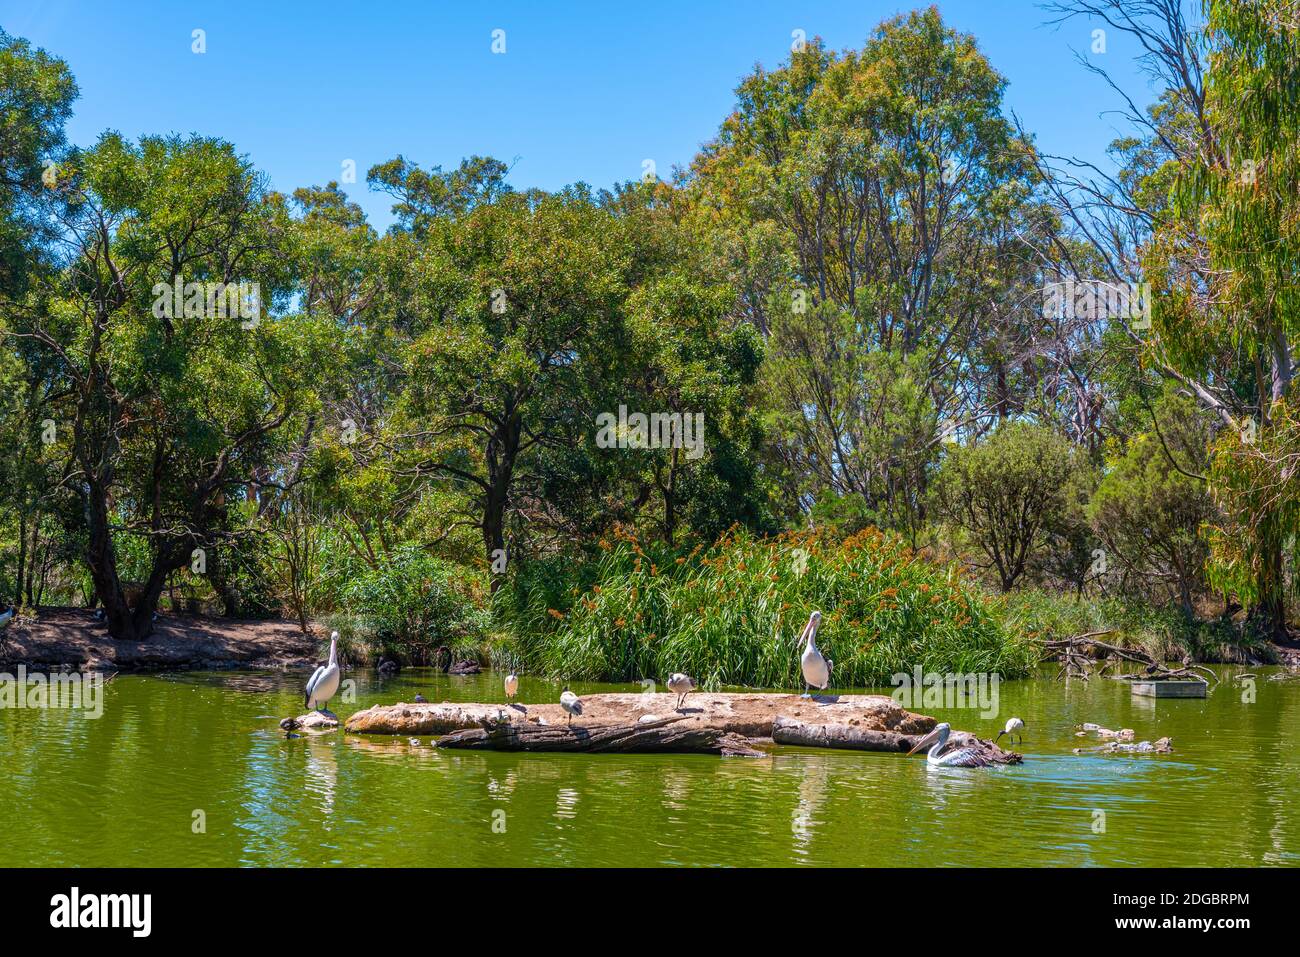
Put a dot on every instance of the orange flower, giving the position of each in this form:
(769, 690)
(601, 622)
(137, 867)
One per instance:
(555, 614)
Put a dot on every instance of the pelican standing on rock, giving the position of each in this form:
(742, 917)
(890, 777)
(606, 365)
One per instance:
(1014, 727)
(324, 681)
(681, 685)
(960, 758)
(571, 703)
(816, 667)
(511, 686)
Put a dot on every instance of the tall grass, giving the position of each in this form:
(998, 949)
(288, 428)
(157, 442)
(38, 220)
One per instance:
(731, 614)
(1162, 631)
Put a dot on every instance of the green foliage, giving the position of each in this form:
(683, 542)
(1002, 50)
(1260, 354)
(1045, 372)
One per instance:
(731, 614)
(1009, 491)
(1164, 632)
(410, 605)
(1150, 506)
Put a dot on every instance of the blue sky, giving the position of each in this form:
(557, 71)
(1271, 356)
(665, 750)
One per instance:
(585, 91)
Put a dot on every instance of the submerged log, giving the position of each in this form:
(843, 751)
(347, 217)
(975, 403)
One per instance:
(677, 735)
(1160, 746)
(849, 737)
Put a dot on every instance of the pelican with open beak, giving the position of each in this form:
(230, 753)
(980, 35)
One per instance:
(959, 758)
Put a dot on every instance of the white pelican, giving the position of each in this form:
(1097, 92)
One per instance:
(324, 680)
(960, 758)
(511, 686)
(571, 703)
(681, 685)
(1014, 727)
(816, 668)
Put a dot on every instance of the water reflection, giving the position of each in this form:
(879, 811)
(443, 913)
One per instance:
(122, 789)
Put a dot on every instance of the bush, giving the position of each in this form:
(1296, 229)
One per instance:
(1009, 491)
(731, 614)
(411, 604)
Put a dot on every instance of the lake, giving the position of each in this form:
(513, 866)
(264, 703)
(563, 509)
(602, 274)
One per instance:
(192, 769)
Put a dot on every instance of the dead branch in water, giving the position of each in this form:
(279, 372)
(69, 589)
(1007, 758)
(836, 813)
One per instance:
(1078, 655)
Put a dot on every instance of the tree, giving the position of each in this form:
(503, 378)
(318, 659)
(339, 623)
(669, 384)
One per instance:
(167, 404)
(509, 308)
(876, 211)
(1006, 490)
(1154, 499)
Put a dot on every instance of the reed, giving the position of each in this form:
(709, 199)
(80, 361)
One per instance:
(731, 614)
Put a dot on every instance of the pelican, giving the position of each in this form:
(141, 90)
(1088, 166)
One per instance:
(571, 703)
(681, 685)
(511, 686)
(1014, 727)
(960, 758)
(816, 668)
(324, 680)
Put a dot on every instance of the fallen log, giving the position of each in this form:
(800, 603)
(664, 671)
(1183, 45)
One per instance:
(856, 738)
(678, 735)
(749, 714)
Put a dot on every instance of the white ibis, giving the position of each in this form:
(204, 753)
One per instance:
(1014, 727)
(960, 758)
(324, 681)
(511, 686)
(681, 685)
(816, 667)
(571, 703)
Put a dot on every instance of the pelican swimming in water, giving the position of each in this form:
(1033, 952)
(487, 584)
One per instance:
(681, 685)
(816, 667)
(960, 758)
(571, 703)
(324, 680)
(1014, 727)
(511, 686)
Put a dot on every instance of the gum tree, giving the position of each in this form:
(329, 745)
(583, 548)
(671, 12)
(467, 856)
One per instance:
(164, 415)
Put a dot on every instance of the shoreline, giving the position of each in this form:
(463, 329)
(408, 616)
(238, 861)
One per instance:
(71, 639)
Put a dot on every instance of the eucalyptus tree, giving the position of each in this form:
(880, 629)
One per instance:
(508, 308)
(1203, 209)
(900, 203)
(176, 380)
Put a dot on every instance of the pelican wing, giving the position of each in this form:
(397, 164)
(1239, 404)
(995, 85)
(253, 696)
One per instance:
(965, 758)
(312, 682)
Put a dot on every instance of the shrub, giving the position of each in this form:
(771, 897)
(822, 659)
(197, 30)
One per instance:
(731, 614)
(1009, 491)
(411, 604)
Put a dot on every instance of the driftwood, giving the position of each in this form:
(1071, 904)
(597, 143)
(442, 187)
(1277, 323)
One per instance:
(675, 735)
(851, 738)
(1077, 655)
(1161, 746)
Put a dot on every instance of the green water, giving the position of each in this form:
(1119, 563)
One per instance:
(124, 789)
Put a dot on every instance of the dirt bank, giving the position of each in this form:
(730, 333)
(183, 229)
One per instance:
(72, 637)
